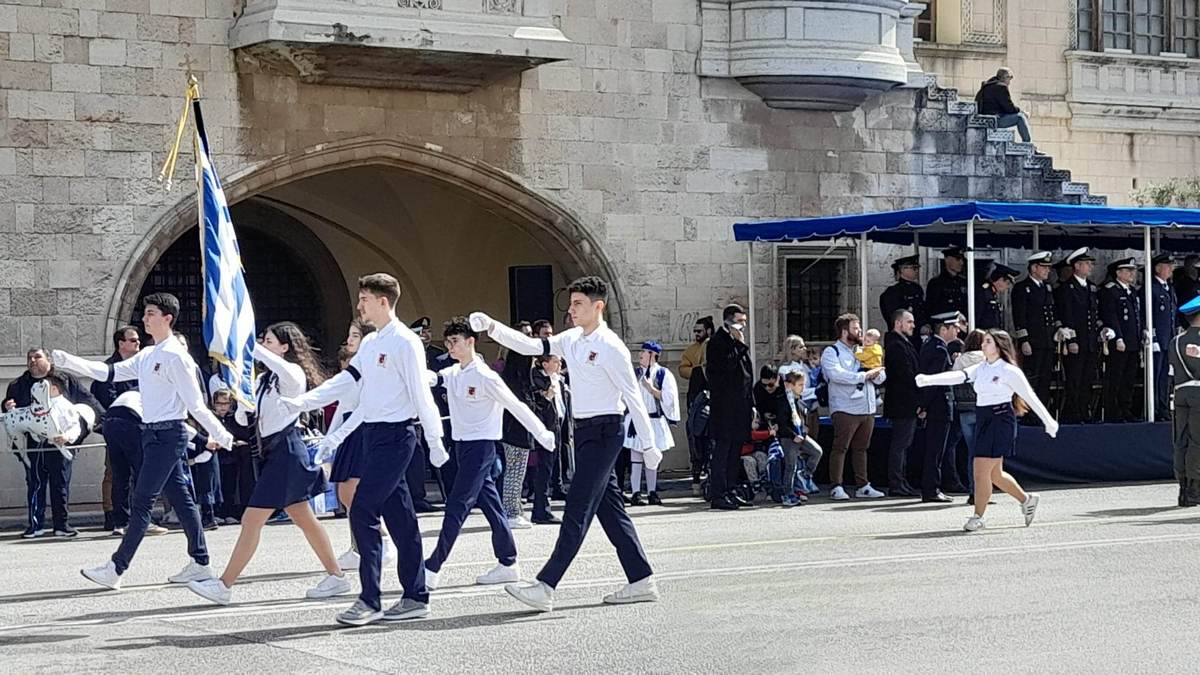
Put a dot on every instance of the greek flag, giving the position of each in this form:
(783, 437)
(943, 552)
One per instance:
(229, 328)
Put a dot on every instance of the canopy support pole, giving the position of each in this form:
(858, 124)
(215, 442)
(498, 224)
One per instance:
(1037, 237)
(971, 273)
(922, 276)
(1148, 306)
(750, 304)
(862, 280)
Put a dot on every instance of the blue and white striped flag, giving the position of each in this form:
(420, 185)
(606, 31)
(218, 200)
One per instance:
(229, 329)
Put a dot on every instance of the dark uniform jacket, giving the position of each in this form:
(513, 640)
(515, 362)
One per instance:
(1163, 312)
(1034, 315)
(935, 358)
(946, 293)
(730, 382)
(772, 406)
(987, 308)
(107, 392)
(1121, 310)
(904, 295)
(900, 359)
(1186, 368)
(1186, 288)
(1079, 309)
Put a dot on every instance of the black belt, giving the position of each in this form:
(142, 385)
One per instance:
(597, 421)
(161, 426)
(655, 415)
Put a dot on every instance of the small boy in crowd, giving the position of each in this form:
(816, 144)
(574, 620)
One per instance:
(798, 443)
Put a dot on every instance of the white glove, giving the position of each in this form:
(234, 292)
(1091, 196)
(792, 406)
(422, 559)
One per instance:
(922, 380)
(480, 322)
(652, 457)
(1060, 335)
(203, 457)
(1107, 334)
(437, 452)
(547, 440)
(325, 450)
(1052, 429)
(1026, 349)
(1155, 347)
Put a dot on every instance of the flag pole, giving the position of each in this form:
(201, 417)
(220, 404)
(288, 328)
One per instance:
(192, 93)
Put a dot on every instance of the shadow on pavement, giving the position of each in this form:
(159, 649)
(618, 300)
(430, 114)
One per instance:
(1143, 511)
(936, 534)
(27, 640)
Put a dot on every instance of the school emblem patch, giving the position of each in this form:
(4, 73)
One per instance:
(157, 367)
(592, 357)
(382, 360)
(471, 392)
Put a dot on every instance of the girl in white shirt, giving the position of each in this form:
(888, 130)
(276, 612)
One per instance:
(286, 479)
(1002, 393)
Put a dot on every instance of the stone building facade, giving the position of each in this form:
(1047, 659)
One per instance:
(483, 150)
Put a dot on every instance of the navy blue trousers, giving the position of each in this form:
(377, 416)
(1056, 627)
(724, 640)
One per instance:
(384, 492)
(474, 485)
(123, 440)
(165, 470)
(47, 472)
(594, 493)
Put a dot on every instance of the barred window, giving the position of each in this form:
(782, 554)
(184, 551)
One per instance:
(814, 297)
(1140, 26)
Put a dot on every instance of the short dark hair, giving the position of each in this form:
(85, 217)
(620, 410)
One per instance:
(896, 316)
(706, 321)
(768, 372)
(382, 285)
(165, 302)
(364, 328)
(119, 334)
(34, 350)
(540, 324)
(731, 310)
(458, 325)
(222, 393)
(593, 287)
(57, 379)
(843, 322)
(522, 324)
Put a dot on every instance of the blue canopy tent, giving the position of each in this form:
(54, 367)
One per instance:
(993, 224)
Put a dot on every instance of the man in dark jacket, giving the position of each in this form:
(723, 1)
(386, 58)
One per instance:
(994, 98)
(1036, 322)
(48, 468)
(1078, 307)
(937, 406)
(900, 400)
(730, 380)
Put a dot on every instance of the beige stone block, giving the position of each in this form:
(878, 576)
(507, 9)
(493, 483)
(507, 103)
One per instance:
(106, 52)
(56, 189)
(561, 78)
(220, 9)
(75, 50)
(48, 48)
(118, 25)
(625, 226)
(76, 77)
(674, 11)
(665, 228)
(658, 60)
(41, 105)
(119, 164)
(157, 28)
(130, 6)
(113, 220)
(8, 161)
(693, 252)
(97, 108)
(8, 19)
(644, 34)
(213, 31)
(25, 75)
(738, 159)
(88, 191)
(65, 274)
(61, 161)
(47, 20)
(143, 53)
(20, 47)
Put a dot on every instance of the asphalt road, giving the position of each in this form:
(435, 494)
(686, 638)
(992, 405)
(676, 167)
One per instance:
(1104, 581)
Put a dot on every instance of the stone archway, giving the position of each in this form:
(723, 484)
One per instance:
(538, 216)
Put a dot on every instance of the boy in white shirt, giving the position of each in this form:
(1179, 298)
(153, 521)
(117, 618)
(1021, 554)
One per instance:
(661, 397)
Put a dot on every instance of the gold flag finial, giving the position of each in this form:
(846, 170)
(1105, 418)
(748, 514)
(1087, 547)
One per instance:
(191, 94)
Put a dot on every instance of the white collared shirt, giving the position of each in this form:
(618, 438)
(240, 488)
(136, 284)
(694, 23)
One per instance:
(601, 370)
(272, 416)
(478, 398)
(389, 373)
(168, 379)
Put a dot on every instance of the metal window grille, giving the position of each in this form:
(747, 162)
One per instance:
(814, 296)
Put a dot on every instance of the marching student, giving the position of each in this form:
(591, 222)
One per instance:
(168, 379)
(394, 393)
(661, 398)
(1002, 394)
(601, 378)
(285, 479)
(478, 399)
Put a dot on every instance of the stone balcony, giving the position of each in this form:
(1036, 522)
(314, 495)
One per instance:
(810, 54)
(437, 45)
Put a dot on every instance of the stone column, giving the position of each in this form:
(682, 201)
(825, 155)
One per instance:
(905, 33)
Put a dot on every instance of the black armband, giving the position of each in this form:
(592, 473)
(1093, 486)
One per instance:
(354, 373)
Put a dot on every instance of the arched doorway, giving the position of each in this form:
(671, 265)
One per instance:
(452, 230)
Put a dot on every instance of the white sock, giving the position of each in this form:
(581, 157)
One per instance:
(635, 477)
(651, 480)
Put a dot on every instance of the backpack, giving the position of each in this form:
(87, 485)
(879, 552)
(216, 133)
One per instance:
(821, 385)
(698, 413)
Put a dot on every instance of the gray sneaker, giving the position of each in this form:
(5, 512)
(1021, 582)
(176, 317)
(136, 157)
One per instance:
(359, 614)
(406, 609)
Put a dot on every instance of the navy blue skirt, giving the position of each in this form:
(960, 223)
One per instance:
(347, 461)
(995, 431)
(285, 477)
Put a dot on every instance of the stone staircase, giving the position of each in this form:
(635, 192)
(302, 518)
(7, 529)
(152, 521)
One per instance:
(1032, 175)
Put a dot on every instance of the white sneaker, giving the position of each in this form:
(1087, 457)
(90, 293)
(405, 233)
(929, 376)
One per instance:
(193, 571)
(406, 609)
(838, 494)
(536, 594)
(153, 530)
(645, 590)
(974, 523)
(1029, 507)
(213, 590)
(500, 574)
(359, 614)
(330, 586)
(348, 560)
(105, 575)
(431, 580)
(868, 492)
(519, 523)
